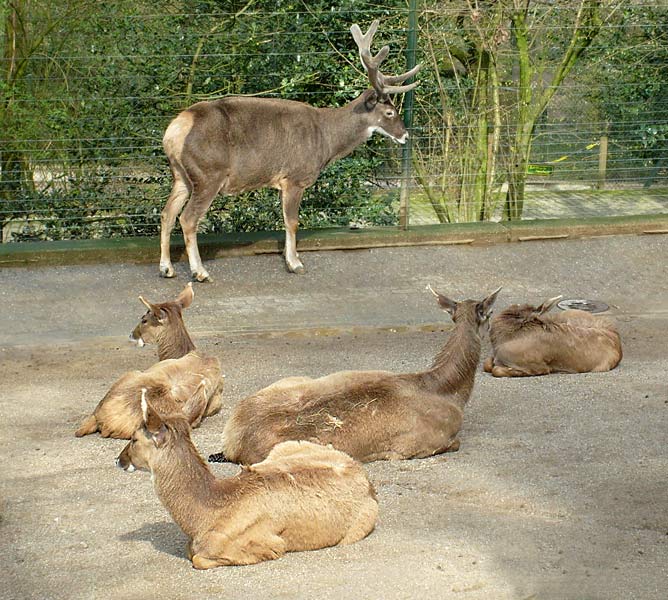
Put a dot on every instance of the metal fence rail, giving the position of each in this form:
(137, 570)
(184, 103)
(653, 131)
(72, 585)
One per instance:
(82, 122)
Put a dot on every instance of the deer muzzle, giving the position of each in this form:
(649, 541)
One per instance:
(136, 338)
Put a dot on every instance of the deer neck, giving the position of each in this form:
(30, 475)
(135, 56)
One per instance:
(185, 486)
(175, 342)
(453, 370)
(344, 128)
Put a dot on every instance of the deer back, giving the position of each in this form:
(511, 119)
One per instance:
(572, 341)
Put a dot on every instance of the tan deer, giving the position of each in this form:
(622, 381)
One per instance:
(237, 144)
(370, 415)
(303, 496)
(184, 379)
(527, 341)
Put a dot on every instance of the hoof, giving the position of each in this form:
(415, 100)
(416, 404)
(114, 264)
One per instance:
(454, 447)
(167, 272)
(218, 457)
(297, 268)
(201, 563)
(202, 277)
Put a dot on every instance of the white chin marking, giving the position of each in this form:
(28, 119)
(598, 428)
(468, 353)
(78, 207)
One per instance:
(139, 341)
(131, 468)
(375, 129)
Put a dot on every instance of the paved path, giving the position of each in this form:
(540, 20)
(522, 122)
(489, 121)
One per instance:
(564, 201)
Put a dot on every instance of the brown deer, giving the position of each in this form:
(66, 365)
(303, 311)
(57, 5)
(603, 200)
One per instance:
(303, 496)
(370, 415)
(183, 380)
(527, 341)
(237, 144)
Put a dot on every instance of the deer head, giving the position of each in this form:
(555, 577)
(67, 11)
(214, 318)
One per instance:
(377, 100)
(483, 309)
(526, 313)
(161, 318)
(145, 442)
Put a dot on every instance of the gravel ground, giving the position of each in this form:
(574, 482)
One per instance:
(559, 489)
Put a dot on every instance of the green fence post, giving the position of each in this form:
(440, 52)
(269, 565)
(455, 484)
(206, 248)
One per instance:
(406, 159)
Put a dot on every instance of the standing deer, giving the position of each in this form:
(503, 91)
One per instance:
(184, 379)
(303, 496)
(527, 341)
(237, 144)
(370, 415)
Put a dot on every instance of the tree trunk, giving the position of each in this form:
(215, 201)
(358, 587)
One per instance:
(586, 27)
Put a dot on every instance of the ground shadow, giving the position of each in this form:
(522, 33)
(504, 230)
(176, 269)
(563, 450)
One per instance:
(166, 537)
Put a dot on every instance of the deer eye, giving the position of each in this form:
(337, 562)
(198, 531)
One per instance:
(389, 114)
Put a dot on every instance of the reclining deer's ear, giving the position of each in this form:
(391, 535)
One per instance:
(444, 302)
(185, 298)
(144, 406)
(152, 420)
(160, 437)
(154, 309)
(485, 307)
(548, 304)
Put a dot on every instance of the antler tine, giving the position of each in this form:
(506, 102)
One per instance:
(363, 41)
(400, 89)
(370, 62)
(383, 84)
(393, 79)
(389, 81)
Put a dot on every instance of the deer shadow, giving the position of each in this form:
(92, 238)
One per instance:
(164, 536)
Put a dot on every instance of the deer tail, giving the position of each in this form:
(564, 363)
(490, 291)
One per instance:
(88, 426)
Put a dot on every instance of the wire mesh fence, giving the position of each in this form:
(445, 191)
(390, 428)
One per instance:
(88, 90)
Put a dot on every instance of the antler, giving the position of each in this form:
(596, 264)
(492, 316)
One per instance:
(383, 84)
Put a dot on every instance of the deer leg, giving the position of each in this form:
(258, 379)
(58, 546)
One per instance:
(200, 200)
(175, 202)
(248, 545)
(503, 371)
(291, 196)
(194, 408)
(215, 400)
(454, 445)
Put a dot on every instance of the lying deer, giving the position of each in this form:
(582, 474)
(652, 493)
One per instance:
(237, 144)
(303, 496)
(370, 415)
(527, 341)
(173, 384)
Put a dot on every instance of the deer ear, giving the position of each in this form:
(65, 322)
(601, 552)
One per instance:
(152, 420)
(185, 298)
(486, 304)
(548, 304)
(371, 100)
(160, 437)
(147, 304)
(154, 308)
(444, 302)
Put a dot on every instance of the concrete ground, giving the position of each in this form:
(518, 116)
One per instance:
(559, 489)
